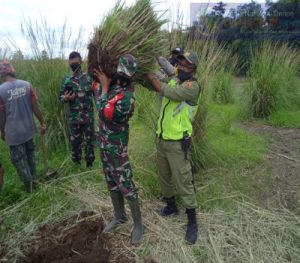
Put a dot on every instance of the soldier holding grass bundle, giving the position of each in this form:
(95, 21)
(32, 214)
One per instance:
(76, 89)
(116, 106)
(18, 103)
(174, 130)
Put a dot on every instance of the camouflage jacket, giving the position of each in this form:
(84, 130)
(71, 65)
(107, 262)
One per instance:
(81, 108)
(115, 109)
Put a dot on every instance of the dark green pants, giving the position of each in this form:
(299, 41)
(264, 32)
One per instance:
(175, 172)
(23, 158)
(117, 171)
(82, 134)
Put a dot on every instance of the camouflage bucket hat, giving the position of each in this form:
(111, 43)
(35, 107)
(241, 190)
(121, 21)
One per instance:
(127, 65)
(191, 57)
(6, 69)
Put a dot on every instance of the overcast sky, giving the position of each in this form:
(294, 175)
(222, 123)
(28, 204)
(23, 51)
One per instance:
(85, 13)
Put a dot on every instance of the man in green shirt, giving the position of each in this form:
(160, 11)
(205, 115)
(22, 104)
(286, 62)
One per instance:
(174, 130)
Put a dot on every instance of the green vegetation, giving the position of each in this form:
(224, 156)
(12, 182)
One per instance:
(272, 75)
(233, 173)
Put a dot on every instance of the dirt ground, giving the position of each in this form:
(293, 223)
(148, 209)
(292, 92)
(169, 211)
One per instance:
(284, 158)
(78, 239)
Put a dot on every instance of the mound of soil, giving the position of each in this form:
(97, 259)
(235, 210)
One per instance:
(78, 239)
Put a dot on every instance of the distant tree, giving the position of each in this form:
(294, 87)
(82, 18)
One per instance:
(44, 55)
(18, 55)
(283, 15)
(249, 17)
(219, 9)
(232, 13)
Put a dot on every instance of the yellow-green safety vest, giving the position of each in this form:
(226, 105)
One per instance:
(175, 118)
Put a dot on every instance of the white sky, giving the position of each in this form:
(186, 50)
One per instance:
(85, 13)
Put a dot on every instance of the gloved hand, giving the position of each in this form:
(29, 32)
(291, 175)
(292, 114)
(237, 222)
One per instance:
(166, 66)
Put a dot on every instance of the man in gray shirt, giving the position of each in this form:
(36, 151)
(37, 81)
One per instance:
(18, 103)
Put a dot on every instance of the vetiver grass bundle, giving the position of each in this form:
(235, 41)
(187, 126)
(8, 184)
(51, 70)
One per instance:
(272, 74)
(134, 30)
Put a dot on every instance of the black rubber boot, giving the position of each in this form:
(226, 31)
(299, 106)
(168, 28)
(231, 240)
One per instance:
(119, 211)
(138, 228)
(192, 227)
(170, 208)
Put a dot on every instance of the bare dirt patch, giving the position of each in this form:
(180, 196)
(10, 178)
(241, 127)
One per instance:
(78, 239)
(284, 158)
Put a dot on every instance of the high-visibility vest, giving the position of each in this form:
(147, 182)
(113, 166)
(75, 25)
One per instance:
(175, 118)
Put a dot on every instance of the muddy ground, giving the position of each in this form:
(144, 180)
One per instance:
(283, 156)
(78, 239)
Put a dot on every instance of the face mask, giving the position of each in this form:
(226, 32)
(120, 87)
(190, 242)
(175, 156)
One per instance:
(124, 81)
(75, 67)
(173, 61)
(183, 76)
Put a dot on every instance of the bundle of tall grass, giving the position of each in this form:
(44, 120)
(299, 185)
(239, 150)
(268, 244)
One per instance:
(272, 75)
(134, 30)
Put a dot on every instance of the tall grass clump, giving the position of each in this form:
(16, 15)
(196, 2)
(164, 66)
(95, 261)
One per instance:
(211, 59)
(44, 66)
(222, 83)
(134, 30)
(272, 75)
(177, 36)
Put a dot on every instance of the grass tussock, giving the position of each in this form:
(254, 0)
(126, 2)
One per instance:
(210, 54)
(272, 74)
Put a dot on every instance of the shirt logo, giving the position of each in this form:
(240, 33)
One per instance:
(16, 93)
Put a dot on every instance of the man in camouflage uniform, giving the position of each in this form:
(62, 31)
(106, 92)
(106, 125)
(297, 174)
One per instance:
(18, 104)
(76, 89)
(174, 131)
(116, 106)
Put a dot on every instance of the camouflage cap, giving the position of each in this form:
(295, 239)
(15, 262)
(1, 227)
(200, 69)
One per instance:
(128, 65)
(191, 57)
(6, 68)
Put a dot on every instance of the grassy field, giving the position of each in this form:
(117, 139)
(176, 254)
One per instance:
(234, 227)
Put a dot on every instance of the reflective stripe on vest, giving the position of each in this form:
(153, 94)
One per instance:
(175, 119)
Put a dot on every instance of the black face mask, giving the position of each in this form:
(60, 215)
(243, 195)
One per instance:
(183, 76)
(123, 80)
(75, 67)
(173, 61)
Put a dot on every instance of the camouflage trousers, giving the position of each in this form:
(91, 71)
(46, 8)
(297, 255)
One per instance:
(23, 158)
(82, 134)
(117, 171)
